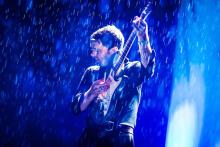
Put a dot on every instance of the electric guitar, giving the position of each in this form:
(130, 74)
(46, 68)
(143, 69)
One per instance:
(119, 62)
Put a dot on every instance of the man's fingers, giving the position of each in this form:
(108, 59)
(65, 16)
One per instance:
(109, 80)
(136, 26)
(136, 19)
(97, 82)
(139, 23)
(101, 88)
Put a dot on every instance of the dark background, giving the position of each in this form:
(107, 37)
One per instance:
(43, 54)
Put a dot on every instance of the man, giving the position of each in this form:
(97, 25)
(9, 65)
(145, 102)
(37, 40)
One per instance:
(112, 123)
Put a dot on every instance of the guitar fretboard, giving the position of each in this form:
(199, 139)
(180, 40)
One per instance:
(125, 51)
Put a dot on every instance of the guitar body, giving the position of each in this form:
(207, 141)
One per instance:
(106, 96)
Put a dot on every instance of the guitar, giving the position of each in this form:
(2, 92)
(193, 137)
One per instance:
(115, 69)
(145, 13)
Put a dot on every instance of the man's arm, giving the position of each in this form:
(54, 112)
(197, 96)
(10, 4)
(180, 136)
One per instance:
(143, 40)
(146, 53)
(144, 49)
(78, 98)
(97, 88)
(138, 70)
(86, 93)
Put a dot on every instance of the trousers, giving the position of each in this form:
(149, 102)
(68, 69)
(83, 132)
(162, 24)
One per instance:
(120, 137)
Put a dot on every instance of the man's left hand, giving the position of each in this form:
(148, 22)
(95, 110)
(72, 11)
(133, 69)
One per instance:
(141, 28)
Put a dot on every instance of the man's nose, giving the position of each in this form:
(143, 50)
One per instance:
(93, 54)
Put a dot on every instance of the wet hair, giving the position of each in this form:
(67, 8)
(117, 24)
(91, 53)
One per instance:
(110, 36)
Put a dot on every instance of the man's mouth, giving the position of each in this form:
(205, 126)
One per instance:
(98, 61)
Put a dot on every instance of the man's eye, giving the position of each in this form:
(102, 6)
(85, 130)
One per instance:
(95, 50)
(92, 50)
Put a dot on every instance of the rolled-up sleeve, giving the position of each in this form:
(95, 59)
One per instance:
(79, 95)
(149, 70)
(136, 72)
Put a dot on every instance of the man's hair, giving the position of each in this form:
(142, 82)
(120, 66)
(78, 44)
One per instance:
(110, 36)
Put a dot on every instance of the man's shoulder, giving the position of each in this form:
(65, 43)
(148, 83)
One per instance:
(93, 68)
(133, 64)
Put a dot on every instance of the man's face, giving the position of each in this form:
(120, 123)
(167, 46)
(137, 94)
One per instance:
(99, 52)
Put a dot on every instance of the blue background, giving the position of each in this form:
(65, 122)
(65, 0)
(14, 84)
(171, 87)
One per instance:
(44, 52)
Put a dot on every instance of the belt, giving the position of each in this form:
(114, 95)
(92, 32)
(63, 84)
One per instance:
(111, 126)
(125, 128)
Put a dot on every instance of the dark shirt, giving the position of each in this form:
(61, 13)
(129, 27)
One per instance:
(125, 99)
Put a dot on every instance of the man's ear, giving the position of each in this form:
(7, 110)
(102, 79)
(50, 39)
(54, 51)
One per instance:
(113, 50)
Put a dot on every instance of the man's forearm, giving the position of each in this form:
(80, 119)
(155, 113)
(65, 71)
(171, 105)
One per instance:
(145, 50)
(86, 101)
(143, 40)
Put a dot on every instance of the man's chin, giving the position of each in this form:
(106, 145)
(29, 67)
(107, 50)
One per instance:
(101, 63)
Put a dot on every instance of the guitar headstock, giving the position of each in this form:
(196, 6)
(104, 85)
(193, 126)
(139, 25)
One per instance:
(146, 12)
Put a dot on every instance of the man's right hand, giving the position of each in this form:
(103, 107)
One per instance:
(98, 87)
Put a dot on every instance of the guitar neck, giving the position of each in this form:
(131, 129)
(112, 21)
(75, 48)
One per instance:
(125, 51)
(129, 42)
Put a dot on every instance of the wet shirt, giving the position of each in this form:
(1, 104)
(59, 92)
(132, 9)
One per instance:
(125, 99)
